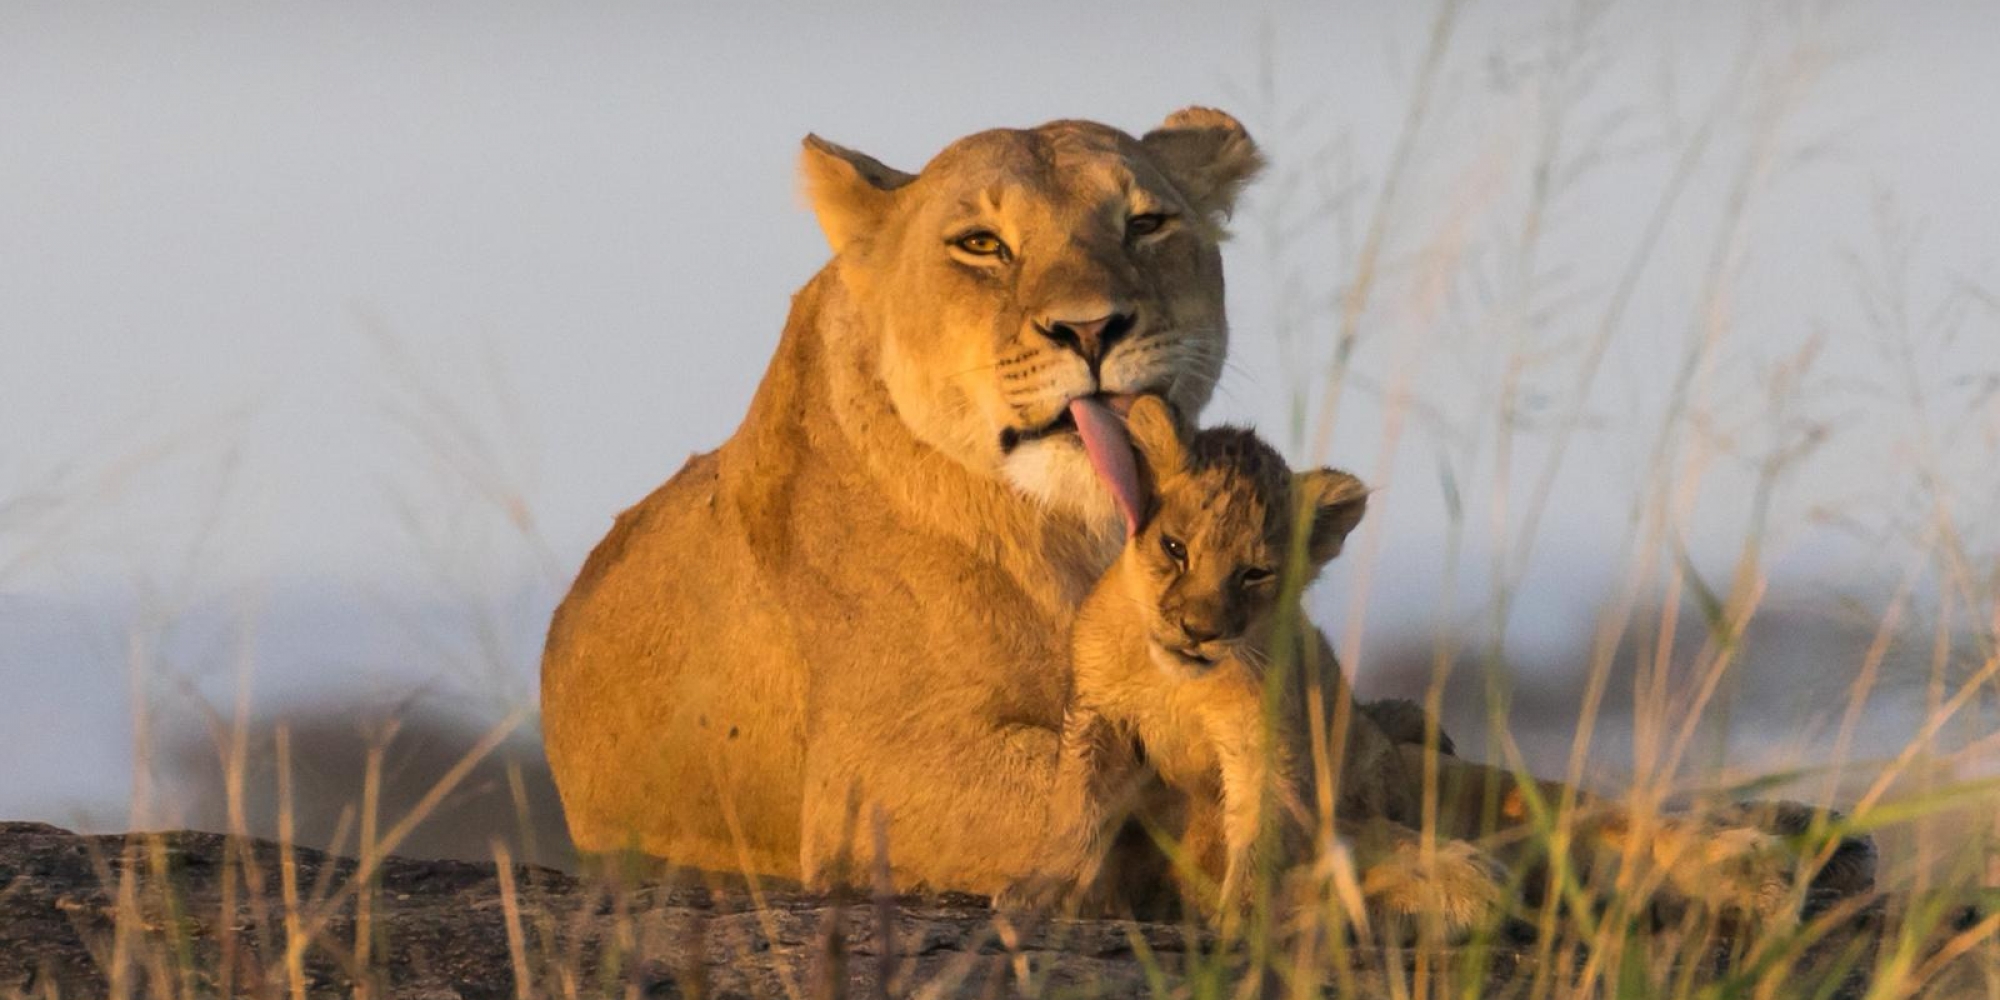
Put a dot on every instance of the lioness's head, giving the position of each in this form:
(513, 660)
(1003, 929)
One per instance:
(1202, 569)
(1022, 270)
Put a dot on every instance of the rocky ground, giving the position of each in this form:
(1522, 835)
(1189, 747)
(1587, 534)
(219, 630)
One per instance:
(196, 914)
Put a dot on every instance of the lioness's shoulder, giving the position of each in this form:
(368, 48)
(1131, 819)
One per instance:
(699, 473)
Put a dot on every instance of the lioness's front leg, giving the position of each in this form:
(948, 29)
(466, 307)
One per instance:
(965, 809)
(1096, 787)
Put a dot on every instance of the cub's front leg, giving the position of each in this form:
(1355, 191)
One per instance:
(1246, 774)
(1262, 809)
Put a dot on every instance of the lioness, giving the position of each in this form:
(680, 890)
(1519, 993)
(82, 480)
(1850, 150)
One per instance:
(1170, 653)
(863, 598)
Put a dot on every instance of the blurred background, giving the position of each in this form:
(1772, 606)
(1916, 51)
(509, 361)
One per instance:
(335, 335)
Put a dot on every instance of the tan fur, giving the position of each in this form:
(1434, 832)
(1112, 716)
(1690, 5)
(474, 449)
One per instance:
(1171, 651)
(862, 599)
(1733, 861)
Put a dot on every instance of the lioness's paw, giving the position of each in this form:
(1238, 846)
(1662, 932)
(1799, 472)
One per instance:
(1739, 871)
(1405, 722)
(1043, 894)
(1458, 891)
(1849, 868)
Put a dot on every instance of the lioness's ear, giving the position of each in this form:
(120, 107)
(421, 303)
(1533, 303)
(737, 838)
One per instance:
(1208, 157)
(1156, 436)
(849, 191)
(1332, 501)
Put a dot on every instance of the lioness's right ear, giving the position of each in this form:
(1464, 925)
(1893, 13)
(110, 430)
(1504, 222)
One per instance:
(849, 191)
(1156, 436)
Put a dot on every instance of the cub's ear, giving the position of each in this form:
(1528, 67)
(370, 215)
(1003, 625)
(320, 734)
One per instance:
(1331, 502)
(1208, 156)
(849, 191)
(1156, 436)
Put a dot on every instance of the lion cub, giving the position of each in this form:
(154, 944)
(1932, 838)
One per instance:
(1169, 655)
(1170, 652)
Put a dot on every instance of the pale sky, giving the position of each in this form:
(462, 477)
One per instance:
(309, 309)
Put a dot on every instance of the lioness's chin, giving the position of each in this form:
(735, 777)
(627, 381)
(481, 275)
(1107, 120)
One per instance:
(1056, 472)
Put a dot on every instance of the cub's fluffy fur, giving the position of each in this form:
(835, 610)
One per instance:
(1173, 652)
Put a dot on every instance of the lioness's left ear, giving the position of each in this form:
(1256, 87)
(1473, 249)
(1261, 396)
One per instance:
(849, 191)
(1207, 155)
(1333, 502)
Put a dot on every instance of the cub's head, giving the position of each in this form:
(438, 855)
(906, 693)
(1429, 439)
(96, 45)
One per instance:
(1021, 270)
(1203, 566)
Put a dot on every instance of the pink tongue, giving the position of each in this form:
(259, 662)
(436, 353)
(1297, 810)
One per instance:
(1110, 451)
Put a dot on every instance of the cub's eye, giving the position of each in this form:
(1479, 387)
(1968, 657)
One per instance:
(1256, 575)
(1174, 549)
(1145, 225)
(982, 244)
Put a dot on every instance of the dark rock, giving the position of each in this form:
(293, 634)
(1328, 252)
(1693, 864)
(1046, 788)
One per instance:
(187, 913)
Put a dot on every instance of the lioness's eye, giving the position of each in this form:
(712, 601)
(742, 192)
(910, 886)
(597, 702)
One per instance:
(981, 244)
(1174, 549)
(1256, 575)
(1145, 225)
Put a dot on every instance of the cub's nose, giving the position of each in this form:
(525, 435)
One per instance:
(1199, 630)
(1090, 338)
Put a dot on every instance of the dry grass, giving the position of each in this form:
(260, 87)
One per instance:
(1463, 253)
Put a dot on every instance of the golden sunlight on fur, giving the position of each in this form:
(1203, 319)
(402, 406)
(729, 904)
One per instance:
(862, 599)
(1171, 652)
(1172, 656)
(861, 603)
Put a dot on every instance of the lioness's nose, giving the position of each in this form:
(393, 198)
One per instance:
(1091, 338)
